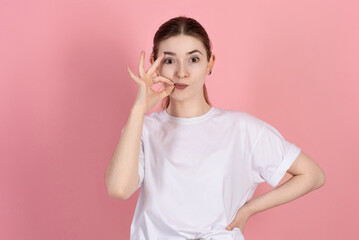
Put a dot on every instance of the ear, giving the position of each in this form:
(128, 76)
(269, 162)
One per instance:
(211, 62)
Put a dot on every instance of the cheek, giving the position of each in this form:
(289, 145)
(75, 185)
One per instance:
(199, 68)
(166, 70)
(199, 71)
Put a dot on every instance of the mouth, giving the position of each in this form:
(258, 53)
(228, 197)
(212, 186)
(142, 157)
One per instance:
(180, 86)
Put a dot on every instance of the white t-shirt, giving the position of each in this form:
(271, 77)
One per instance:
(195, 173)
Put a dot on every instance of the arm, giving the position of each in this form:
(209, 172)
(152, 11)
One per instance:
(122, 175)
(307, 176)
(122, 172)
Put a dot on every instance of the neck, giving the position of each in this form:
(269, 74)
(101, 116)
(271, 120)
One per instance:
(188, 109)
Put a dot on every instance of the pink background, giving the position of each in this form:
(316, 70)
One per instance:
(65, 94)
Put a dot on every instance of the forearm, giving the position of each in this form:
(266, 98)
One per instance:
(294, 188)
(121, 173)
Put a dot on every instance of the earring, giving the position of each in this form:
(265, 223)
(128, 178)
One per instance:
(210, 72)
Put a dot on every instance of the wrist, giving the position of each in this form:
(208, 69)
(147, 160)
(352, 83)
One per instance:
(138, 109)
(248, 208)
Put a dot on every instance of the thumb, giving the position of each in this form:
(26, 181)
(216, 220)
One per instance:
(167, 91)
(230, 226)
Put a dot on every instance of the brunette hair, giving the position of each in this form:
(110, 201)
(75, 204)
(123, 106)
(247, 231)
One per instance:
(186, 26)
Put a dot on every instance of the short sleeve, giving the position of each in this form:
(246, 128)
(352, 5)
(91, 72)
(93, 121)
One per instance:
(271, 156)
(141, 162)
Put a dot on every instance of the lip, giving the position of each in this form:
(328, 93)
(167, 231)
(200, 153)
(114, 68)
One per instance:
(180, 86)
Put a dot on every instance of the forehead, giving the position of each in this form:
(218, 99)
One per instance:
(181, 44)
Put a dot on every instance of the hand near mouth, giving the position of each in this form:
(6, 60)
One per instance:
(146, 96)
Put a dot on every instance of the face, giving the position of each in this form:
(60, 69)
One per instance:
(185, 62)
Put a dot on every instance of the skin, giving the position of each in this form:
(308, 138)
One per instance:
(189, 102)
(188, 69)
(307, 176)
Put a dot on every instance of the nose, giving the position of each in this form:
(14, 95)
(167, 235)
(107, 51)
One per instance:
(182, 71)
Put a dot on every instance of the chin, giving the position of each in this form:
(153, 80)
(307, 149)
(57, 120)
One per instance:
(178, 96)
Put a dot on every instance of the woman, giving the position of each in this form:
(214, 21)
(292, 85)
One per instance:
(198, 165)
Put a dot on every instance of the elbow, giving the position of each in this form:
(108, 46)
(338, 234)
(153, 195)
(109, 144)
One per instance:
(116, 192)
(320, 179)
(123, 191)
(118, 195)
(323, 178)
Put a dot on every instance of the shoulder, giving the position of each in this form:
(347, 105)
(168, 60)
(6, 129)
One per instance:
(151, 121)
(242, 117)
(153, 117)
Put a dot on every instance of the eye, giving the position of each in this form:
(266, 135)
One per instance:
(196, 58)
(166, 60)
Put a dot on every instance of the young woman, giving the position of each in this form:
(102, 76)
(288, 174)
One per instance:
(198, 165)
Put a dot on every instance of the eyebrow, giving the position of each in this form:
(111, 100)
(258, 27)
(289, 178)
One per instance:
(172, 53)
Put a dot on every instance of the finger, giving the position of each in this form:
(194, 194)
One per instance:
(133, 76)
(167, 91)
(230, 226)
(141, 66)
(155, 65)
(162, 79)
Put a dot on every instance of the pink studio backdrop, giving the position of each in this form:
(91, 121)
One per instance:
(65, 94)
